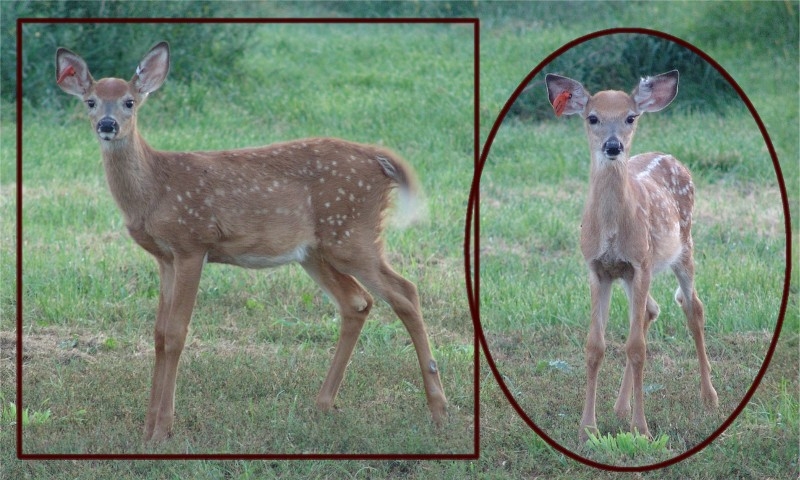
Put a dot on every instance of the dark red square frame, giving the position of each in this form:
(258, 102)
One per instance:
(469, 271)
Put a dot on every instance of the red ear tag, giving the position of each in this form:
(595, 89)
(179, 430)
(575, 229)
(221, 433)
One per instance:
(560, 103)
(68, 72)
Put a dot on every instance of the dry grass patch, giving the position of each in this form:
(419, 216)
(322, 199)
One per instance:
(751, 208)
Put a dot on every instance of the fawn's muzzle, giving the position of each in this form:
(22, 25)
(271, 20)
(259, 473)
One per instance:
(107, 128)
(612, 147)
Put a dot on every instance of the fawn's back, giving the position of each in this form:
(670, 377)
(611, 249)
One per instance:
(266, 206)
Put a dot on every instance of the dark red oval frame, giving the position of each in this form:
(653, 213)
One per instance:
(474, 268)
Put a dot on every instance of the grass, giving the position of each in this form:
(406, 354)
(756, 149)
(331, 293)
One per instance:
(628, 444)
(8, 415)
(520, 262)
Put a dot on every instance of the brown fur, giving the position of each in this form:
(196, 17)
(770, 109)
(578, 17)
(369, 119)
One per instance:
(318, 201)
(637, 222)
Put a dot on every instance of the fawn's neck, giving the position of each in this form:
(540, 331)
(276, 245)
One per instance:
(130, 176)
(613, 198)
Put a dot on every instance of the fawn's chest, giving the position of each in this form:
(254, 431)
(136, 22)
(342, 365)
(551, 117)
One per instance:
(607, 254)
(638, 228)
(614, 230)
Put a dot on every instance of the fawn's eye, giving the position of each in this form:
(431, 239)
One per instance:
(592, 119)
(90, 103)
(129, 103)
(630, 119)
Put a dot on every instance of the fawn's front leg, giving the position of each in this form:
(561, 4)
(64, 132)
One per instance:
(595, 349)
(180, 279)
(636, 345)
(166, 274)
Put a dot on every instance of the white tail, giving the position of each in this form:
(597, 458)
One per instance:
(319, 202)
(637, 222)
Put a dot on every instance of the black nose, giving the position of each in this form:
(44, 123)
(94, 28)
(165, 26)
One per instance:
(107, 125)
(613, 147)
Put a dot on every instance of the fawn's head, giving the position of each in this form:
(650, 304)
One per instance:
(611, 116)
(112, 102)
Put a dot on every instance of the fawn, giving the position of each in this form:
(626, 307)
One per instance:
(637, 221)
(319, 202)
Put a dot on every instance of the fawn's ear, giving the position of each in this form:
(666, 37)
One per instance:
(72, 74)
(654, 93)
(152, 70)
(567, 96)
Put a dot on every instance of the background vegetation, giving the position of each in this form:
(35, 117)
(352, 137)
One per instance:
(617, 62)
(740, 229)
(220, 45)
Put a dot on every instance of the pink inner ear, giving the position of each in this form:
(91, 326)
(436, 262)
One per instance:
(68, 72)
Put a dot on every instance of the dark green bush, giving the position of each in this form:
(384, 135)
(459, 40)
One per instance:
(396, 9)
(766, 26)
(524, 12)
(207, 50)
(618, 61)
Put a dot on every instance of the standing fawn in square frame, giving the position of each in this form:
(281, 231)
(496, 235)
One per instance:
(637, 221)
(319, 202)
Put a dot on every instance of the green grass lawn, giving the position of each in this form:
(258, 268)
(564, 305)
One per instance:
(90, 293)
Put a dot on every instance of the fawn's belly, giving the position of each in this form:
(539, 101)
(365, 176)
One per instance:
(255, 259)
